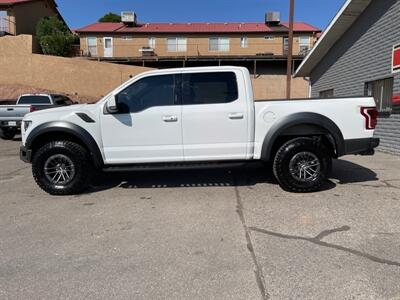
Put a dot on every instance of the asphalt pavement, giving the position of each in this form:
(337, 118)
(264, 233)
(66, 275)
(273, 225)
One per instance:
(209, 234)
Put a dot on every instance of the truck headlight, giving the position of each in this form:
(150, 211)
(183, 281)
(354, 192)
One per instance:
(27, 124)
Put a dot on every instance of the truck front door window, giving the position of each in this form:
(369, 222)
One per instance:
(147, 92)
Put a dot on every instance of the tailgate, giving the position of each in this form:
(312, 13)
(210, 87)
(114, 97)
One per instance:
(13, 112)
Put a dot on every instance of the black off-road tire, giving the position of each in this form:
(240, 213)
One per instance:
(82, 166)
(283, 157)
(7, 134)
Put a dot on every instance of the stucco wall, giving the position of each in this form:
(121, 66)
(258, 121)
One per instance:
(93, 79)
(268, 86)
(66, 75)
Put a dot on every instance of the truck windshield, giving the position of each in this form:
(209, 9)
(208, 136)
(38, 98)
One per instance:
(34, 100)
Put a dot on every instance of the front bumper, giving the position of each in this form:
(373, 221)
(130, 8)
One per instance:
(361, 146)
(25, 154)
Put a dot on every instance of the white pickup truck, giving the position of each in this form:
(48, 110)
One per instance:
(192, 117)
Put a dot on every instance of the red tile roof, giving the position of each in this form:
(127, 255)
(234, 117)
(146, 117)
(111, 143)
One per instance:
(11, 2)
(195, 28)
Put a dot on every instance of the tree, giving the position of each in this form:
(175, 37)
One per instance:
(110, 18)
(54, 36)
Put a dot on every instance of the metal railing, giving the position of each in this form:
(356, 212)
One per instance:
(135, 49)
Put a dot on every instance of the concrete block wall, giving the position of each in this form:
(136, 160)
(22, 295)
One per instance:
(388, 130)
(64, 75)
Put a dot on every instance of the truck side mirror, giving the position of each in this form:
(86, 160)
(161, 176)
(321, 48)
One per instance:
(111, 105)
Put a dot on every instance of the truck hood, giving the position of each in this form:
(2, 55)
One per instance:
(63, 109)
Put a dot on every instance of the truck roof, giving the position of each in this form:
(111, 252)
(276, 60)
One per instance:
(194, 69)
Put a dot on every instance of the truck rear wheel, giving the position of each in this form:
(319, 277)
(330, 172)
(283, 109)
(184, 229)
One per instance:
(7, 134)
(302, 165)
(61, 168)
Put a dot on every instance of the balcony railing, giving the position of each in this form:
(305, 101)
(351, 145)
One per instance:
(7, 26)
(134, 49)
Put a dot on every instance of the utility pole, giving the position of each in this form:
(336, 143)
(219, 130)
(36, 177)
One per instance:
(290, 51)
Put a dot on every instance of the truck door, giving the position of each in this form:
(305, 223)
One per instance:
(147, 127)
(214, 116)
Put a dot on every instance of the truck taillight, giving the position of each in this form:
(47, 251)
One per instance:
(32, 108)
(371, 117)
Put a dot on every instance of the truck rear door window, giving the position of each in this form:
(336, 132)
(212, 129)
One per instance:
(34, 100)
(209, 88)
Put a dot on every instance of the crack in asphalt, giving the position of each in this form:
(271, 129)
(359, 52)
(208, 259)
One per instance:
(15, 172)
(318, 241)
(258, 269)
(386, 184)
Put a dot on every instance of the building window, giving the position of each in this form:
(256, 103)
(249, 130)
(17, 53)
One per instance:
(218, 44)
(304, 44)
(327, 93)
(126, 38)
(382, 91)
(269, 38)
(152, 42)
(244, 42)
(176, 44)
(92, 46)
(285, 45)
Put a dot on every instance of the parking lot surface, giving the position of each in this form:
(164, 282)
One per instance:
(210, 234)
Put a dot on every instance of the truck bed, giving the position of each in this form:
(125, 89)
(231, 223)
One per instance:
(344, 112)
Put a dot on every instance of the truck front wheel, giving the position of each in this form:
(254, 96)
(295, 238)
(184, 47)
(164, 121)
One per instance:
(302, 165)
(61, 168)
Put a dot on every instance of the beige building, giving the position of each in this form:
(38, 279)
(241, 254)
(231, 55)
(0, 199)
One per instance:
(261, 47)
(114, 41)
(21, 16)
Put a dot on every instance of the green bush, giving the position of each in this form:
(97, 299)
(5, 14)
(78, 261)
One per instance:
(54, 36)
(110, 18)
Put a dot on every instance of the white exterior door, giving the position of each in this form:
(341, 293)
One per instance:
(214, 117)
(148, 126)
(108, 46)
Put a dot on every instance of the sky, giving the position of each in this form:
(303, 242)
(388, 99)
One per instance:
(79, 13)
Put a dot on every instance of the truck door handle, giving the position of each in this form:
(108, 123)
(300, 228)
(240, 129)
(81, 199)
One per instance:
(10, 109)
(170, 118)
(236, 116)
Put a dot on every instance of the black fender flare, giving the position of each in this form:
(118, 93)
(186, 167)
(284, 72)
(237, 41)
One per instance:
(72, 129)
(302, 119)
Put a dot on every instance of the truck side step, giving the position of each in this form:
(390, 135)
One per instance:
(174, 166)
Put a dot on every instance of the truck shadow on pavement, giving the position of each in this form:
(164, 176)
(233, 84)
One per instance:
(343, 172)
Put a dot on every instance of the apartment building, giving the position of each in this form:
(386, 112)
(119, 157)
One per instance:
(21, 16)
(261, 47)
(133, 40)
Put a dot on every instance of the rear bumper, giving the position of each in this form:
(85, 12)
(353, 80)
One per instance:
(361, 146)
(25, 154)
(6, 124)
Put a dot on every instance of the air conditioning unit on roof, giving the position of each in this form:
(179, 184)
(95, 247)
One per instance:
(273, 18)
(128, 17)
